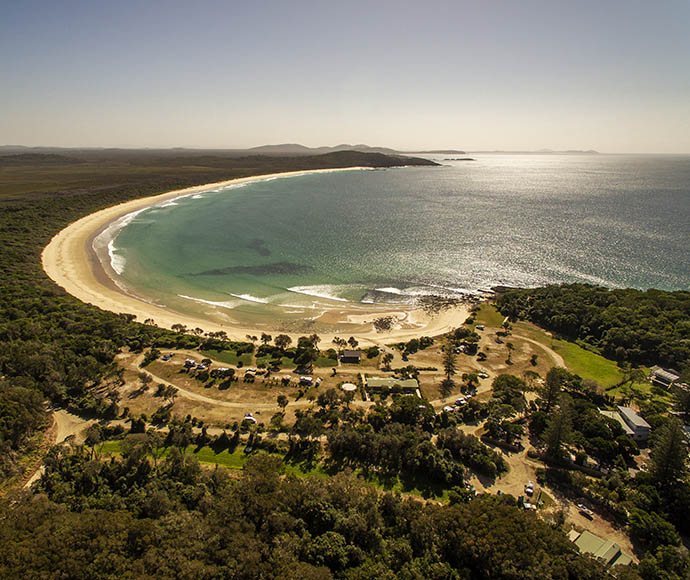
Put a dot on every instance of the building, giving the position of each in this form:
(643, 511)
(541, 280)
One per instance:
(351, 357)
(637, 424)
(379, 384)
(606, 551)
(633, 425)
(663, 377)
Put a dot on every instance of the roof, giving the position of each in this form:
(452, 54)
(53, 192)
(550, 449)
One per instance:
(623, 560)
(606, 550)
(352, 353)
(617, 417)
(378, 382)
(664, 375)
(632, 418)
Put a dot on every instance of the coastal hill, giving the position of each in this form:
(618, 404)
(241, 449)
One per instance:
(42, 169)
(279, 150)
(296, 149)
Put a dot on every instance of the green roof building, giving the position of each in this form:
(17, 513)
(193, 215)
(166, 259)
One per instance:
(381, 383)
(606, 551)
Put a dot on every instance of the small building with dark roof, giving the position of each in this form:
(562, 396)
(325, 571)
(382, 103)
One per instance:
(663, 377)
(351, 357)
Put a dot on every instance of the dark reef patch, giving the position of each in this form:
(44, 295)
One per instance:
(257, 270)
(259, 246)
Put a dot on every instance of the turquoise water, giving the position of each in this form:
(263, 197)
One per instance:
(292, 247)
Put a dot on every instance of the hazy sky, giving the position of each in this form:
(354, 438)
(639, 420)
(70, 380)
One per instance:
(612, 75)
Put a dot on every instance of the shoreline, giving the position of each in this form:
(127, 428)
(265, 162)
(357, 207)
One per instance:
(71, 261)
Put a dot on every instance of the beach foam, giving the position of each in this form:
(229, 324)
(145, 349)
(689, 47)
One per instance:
(322, 291)
(229, 304)
(250, 298)
(117, 261)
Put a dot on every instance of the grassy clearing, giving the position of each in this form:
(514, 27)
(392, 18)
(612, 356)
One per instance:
(285, 362)
(489, 316)
(228, 357)
(230, 460)
(583, 362)
(588, 365)
(396, 484)
(325, 362)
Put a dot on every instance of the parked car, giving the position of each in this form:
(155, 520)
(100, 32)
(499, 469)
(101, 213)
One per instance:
(529, 488)
(585, 511)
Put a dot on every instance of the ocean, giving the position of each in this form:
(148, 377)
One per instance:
(291, 248)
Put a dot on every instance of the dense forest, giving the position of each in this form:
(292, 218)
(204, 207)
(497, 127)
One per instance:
(629, 326)
(128, 519)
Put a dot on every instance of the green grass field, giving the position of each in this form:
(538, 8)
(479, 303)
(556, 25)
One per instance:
(588, 365)
(325, 362)
(228, 357)
(234, 460)
(285, 362)
(489, 316)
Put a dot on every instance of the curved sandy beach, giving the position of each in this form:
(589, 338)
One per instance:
(70, 261)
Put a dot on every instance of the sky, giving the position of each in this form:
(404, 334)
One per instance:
(609, 75)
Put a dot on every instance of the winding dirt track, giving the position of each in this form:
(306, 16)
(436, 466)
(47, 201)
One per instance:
(187, 394)
(555, 357)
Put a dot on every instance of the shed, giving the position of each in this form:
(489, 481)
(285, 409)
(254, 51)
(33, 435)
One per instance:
(663, 377)
(351, 357)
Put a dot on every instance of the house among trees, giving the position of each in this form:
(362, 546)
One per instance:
(633, 425)
(663, 377)
(606, 551)
(351, 357)
(380, 384)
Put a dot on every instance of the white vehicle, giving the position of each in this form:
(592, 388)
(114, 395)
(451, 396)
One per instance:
(448, 409)
(585, 511)
(529, 488)
(483, 375)
(461, 401)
